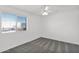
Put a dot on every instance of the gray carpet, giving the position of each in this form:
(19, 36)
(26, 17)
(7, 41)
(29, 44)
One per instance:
(44, 45)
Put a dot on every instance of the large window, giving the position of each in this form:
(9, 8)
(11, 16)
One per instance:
(12, 23)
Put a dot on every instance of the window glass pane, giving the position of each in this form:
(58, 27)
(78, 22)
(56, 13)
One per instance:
(8, 23)
(21, 23)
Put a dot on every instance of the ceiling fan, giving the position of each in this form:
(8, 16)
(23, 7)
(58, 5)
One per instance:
(45, 10)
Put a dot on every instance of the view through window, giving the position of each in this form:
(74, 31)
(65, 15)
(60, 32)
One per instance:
(12, 23)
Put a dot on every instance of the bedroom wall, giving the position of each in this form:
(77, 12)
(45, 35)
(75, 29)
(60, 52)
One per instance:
(10, 40)
(62, 26)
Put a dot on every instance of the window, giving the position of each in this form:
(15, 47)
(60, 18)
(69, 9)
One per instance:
(12, 23)
(21, 23)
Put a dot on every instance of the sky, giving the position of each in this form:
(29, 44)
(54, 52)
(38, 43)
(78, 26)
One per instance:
(21, 19)
(9, 20)
(13, 18)
(8, 17)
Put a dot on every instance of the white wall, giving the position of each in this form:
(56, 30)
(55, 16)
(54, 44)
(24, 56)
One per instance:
(11, 40)
(62, 26)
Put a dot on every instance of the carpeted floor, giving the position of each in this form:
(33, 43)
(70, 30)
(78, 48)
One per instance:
(44, 45)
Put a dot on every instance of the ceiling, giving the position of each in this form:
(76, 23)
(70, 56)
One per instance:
(36, 9)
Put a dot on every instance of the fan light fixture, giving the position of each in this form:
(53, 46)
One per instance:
(44, 10)
(45, 13)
